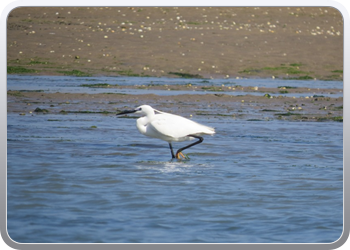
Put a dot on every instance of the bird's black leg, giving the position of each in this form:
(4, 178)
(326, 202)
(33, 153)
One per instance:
(200, 139)
(171, 149)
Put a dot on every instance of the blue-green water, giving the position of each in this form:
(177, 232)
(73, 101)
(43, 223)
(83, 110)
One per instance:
(68, 84)
(253, 181)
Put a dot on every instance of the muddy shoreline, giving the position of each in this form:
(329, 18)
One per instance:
(190, 42)
(224, 88)
(246, 107)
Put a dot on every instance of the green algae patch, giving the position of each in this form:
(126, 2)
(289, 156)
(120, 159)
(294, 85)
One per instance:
(19, 70)
(185, 75)
(75, 72)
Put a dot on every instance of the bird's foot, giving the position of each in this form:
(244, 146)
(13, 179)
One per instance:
(182, 155)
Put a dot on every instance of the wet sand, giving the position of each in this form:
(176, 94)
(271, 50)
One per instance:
(220, 42)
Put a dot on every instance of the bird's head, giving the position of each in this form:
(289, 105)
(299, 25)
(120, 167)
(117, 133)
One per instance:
(143, 110)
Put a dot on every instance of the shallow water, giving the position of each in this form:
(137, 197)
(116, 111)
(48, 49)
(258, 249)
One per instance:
(69, 84)
(267, 181)
(71, 81)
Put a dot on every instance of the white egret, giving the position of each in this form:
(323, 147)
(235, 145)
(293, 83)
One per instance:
(168, 127)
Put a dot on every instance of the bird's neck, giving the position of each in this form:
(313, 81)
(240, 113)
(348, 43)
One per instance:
(141, 124)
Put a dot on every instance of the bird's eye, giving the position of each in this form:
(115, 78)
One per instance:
(139, 109)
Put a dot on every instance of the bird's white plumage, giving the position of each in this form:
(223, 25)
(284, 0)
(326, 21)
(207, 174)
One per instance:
(168, 127)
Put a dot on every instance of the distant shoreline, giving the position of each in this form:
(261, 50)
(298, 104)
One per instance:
(202, 42)
(175, 77)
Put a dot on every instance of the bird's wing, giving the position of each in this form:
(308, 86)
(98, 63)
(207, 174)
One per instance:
(177, 127)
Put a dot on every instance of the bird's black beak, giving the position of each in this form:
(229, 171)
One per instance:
(127, 112)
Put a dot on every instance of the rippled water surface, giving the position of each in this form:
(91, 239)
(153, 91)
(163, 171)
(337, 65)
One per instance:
(52, 84)
(94, 178)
